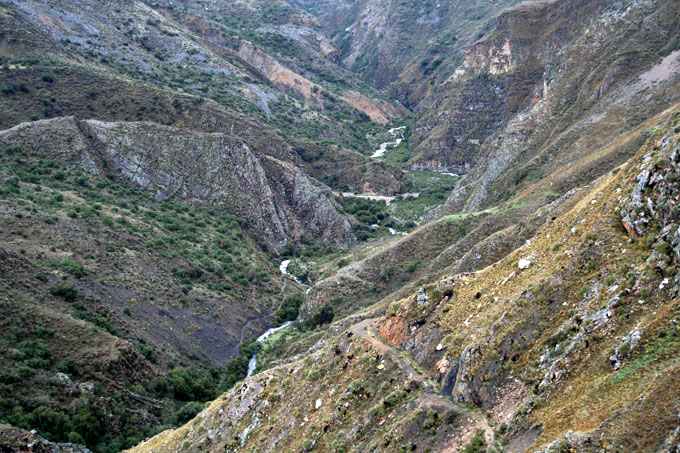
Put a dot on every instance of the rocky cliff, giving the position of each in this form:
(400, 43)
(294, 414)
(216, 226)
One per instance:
(246, 71)
(545, 104)
(392, 41)
(273, 196)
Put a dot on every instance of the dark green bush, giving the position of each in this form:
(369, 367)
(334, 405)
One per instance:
(66, 292)
(289, 309)
(188, 411)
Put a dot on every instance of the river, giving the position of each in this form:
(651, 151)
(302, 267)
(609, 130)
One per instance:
(252, 364)
(383, 146)
(284, 270)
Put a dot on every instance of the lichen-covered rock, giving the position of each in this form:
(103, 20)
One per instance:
(624, 349)
(654, 203)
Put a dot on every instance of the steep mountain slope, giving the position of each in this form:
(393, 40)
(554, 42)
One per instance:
(465, 243)
(215, 170)
(528, 99)
(379, 39)
(503, 91)
(98, 62)
(120, 313)
(173, 174)
(565, 344)
(150, 42)
(130, 294)
(78, 92)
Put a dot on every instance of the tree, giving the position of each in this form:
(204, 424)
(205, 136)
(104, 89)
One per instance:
(289, 309)
(50, 423)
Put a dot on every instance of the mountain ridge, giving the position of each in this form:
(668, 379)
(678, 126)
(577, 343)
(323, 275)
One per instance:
(456, 222)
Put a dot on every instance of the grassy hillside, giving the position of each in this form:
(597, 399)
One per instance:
(565, 344)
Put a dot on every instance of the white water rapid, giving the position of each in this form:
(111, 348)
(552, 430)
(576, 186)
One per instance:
(383, 146)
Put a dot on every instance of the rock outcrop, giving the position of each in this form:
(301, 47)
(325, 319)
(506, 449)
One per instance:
(15, 439)
(652, 210)
(279, 75)
(274, 197)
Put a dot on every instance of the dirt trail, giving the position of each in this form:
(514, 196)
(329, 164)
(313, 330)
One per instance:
(366, 330)
(368, 196)
(476, 419)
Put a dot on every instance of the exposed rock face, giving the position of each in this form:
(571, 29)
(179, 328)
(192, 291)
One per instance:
(273, 196)
(527, 99)
(623, 350)
(498, 77)
(394, 329)
(382, 40)
(653, 205)
(471, 110)
(655, 197)
(281, 76)
(381, 112)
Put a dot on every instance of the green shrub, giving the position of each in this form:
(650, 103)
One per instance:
(87, 426)
(323, 316)
(289, 309)
(477, 443)
(75, 438)
(412, 266)
(72, 267)
(393, 398)
(66, 292)
(377, 410)
(394, 307)
(432, 421)
(188, 411)
(50, 423)
(148, 353)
